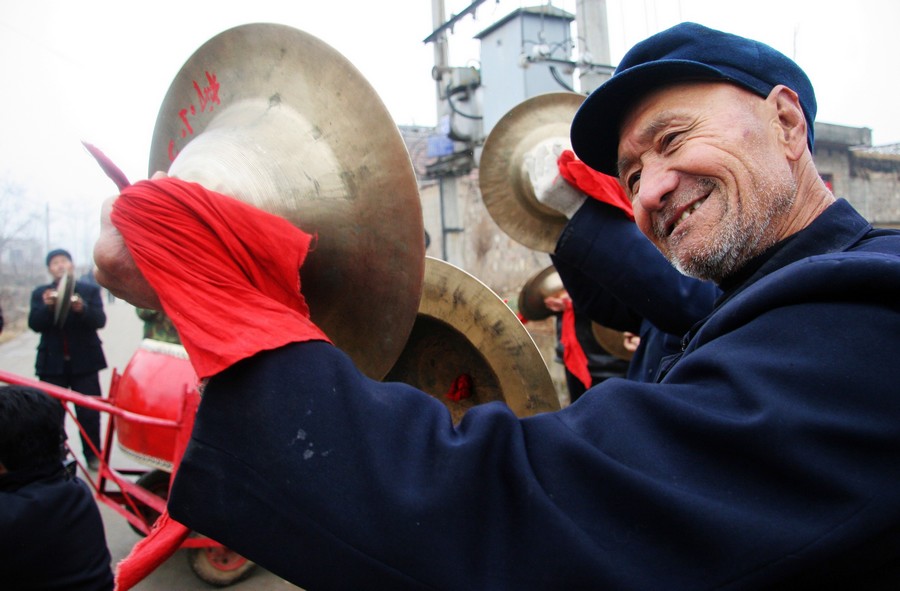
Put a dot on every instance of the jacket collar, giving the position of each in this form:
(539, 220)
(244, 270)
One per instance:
(837, 229)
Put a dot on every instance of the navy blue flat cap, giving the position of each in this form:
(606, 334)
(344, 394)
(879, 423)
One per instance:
(687, 51)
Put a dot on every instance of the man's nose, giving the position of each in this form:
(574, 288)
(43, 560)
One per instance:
(657, 183)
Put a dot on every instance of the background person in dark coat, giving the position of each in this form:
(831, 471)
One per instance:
(52, 535)
(71, 355)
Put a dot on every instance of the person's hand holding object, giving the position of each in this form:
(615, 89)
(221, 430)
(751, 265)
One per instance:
(550, 188)
(116, 269)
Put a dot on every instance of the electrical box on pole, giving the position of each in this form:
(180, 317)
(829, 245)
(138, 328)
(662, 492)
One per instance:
(525, 54)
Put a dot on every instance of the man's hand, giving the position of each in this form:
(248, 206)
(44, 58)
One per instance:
(550, 188)
(632, 341)
(557, 302)
(49, 297)
(77, 305)
(116, 270)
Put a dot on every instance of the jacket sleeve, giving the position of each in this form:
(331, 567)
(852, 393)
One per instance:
(608, 249)
(769, 451)
(40, 315)
(591, 299)
(93, 317)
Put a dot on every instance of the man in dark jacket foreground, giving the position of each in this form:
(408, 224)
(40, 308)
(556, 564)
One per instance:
(52, 534)
(767, 456)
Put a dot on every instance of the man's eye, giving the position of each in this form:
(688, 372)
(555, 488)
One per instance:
(667, 140)
(633, 182)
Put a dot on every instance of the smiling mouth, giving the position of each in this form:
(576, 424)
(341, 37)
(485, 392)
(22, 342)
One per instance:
(687, 213)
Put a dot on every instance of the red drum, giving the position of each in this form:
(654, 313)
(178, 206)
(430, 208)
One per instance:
(154, 384)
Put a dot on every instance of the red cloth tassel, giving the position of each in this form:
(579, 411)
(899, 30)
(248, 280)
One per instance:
(112, 171)
(209, 256)
(573, 355)
(601, 187)
(461, 388)
(163, 540)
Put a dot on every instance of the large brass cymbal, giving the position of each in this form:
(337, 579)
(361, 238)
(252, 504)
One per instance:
(505, 187)
(531, 298)
(275, 117)
(463, 327)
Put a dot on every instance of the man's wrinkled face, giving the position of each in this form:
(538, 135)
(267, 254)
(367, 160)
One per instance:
(707, 177)
(59, 266)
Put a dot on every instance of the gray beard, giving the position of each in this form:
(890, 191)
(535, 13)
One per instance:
(737, 243)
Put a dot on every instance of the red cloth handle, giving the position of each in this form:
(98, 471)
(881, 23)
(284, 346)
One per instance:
(210, 257)
(573, 355)
(601, 187)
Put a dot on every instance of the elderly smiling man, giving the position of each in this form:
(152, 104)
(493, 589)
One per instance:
(767, 456)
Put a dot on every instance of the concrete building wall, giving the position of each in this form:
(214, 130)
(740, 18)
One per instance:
(867, 176)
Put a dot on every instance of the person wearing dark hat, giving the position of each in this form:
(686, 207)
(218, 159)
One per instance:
(766, 456)
(70, 353)
(53, 536)
(614, 275)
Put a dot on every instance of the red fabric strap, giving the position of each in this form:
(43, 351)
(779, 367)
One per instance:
(164, 539)
(210, 257)
(461, 388)
(595, 184)
(573, 355)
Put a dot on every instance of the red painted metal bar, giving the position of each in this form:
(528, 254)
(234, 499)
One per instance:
(93, 402)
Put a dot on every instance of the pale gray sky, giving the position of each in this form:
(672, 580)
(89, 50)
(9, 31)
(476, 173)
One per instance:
(97, 70)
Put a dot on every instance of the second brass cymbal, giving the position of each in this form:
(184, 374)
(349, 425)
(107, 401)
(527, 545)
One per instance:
(505, 187)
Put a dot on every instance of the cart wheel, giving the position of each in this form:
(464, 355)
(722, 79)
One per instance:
(218, 565)
(157, 482)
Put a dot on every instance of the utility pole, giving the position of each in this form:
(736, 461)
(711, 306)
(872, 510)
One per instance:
(441, 50)
(592, 24)
(452, 244)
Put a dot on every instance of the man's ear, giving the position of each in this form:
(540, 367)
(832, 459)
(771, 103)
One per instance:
(791, 121)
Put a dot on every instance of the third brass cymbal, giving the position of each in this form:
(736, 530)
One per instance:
(464, 328)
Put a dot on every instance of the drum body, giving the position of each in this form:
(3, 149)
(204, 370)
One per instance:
(154, 383)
